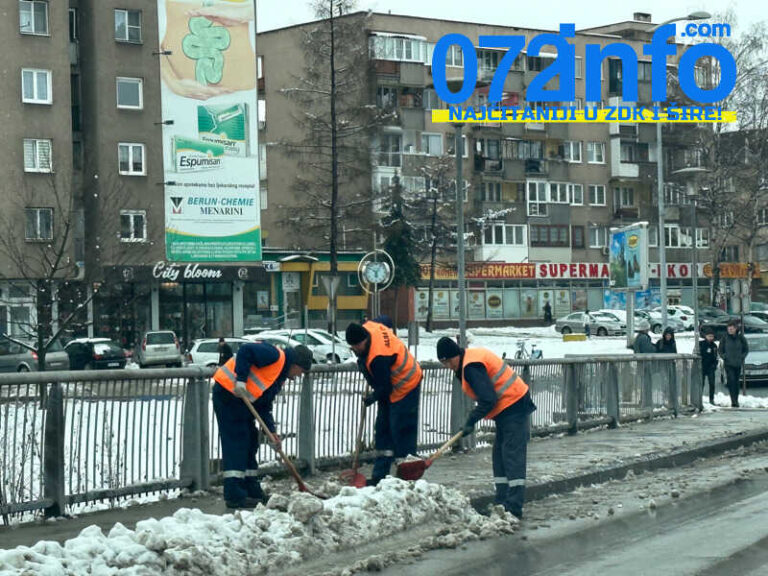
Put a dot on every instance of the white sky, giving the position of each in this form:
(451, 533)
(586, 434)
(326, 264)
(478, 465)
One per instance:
(586, 13)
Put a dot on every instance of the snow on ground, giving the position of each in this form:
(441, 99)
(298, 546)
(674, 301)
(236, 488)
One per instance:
(289, 530)
(724, 401)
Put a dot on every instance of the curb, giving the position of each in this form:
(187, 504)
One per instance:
(645, 463)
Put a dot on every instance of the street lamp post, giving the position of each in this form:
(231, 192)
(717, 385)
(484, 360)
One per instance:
(462, 288)
(661, 232)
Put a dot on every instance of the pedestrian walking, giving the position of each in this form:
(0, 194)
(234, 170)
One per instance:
(587, 323)
(733, 349)
(225, 351)
(708, 353)
(501, 396)
(547, 312)
(667, 344)
(256, 375)
(643, 343)
(395, 377)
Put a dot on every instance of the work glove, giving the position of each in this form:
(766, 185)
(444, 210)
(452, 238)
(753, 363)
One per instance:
(278, 444)
(240, 390)
(369, 399)
(468, 430)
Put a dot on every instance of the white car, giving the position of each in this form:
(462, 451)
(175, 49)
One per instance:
(282, 341)
(320, 342)
(682, 313)
(205, 352)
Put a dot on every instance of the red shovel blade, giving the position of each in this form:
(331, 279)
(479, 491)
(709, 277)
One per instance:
(353, 478)
(412, 470)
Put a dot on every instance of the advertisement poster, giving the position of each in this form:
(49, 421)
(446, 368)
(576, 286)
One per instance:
(546, 295)
(529, 303)
(494, 303)
(210, 130)
(579, 299)
(562, 305)
(440, 304)
(628, 259)
(476, 304)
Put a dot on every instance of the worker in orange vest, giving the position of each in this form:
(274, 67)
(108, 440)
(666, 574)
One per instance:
(395, 376)
(256, 374)
(501, 396)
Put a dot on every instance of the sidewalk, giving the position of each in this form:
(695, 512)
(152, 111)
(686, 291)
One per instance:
(555, 464)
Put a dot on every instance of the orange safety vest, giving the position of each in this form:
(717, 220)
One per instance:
(259, 379)
(405, 374)
(509, 386)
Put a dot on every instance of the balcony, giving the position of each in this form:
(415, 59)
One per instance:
(535, 167)
(488, 166)
(626, 212)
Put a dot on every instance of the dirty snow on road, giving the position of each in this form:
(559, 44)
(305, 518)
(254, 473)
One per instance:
(289, 530)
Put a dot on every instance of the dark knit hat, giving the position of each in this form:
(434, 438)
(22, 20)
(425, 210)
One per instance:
(356, 334)
(447, 348)
(302, 357)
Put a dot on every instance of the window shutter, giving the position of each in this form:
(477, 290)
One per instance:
(30, 159)
(44, 155)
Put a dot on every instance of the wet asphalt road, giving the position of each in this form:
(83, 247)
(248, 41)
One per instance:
(723, 532)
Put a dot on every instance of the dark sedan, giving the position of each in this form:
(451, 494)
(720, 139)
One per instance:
(95, 354)
(712, 314)
(752, 325)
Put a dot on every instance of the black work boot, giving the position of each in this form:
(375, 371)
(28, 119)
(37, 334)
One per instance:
(246, 503)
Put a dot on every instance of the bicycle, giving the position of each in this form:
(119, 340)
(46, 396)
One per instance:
(523, 353)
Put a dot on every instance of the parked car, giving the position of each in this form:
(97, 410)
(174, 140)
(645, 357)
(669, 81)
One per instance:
(320, 342)
(758, 307)
(18, 355)
(95, 354)
(656, 321)
(711, 313)
(756, 362)
(761, 315)
(283, 342)
(752, 325)
(205, 351)
(158, 347)
(599, 324)
(682, 313)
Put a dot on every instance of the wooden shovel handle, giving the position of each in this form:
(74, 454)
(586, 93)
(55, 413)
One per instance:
(455, 438)
(359, 438)
(273, 441)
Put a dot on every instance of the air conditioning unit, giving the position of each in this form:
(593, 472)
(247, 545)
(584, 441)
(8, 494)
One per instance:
(604, 250)
(79, 271)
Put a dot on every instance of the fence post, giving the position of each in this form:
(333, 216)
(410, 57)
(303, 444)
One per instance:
(192, 463)
(673, 386)
(306, 433)
(204, 400)
(571, 399)
(697, 384)
(648, 371)
(53, 452)
(459, 414)
(612, 395)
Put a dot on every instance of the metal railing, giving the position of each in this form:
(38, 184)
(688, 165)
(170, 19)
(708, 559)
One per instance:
(68, 438)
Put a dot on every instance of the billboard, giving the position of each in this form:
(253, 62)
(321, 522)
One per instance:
(210, 130)
(628, 257)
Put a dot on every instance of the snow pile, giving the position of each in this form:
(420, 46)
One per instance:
(724, 401)
(289, 530)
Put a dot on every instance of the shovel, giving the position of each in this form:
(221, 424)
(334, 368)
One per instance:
(287, 463)
(352, 476)
(415, 470)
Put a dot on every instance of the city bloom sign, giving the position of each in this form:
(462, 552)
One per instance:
(210, 132)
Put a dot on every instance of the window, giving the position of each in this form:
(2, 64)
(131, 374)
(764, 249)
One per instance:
(39, 224)
(577, 236)
(431, 101)
(730, 254)
(264, 197)
(515, 235)
(37, 155)
(131, 159)
(409, 141)
(546, 235)
(488, 60)
(450, 144)
(576, 194)
(634, 152)
(596, 152)
(558, 193)
(413, 184)
(653, 236)
(454, 57)
(262, 161)
(578, 66)
(702, 237)
(570, 150)
(762, 216)
(35, 86)
(399, 48)
(73, 25)
(596, 194)
(624, 197)
(390, 150)
(537, 198)
(671, 195)
(672, 236)
(128, 26)
(598, 237)
(33, 17)
(130, 93)
(490, 191)
(386, 97)
(133, 225)
(522, 149)
(538, 63)
(725, 219)
(452, 190)
(432, 144)
(493, 234)
(489, 148)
